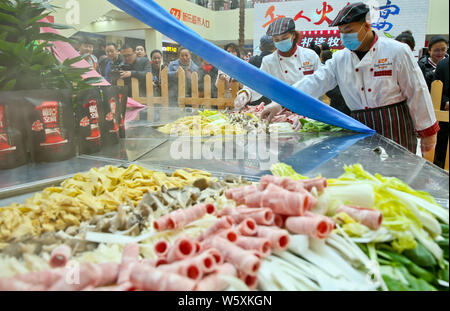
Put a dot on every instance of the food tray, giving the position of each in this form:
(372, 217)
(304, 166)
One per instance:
(35, 177)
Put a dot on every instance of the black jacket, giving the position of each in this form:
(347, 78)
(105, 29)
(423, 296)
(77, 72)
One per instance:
(139, 70)
(157, 80)
(257, 62)
(103, 65)
(257, 59)
(427, 70)
(213, 74)
(442, 74)
(338, 101)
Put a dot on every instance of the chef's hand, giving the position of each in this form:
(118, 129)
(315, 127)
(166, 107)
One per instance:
(271, 111)
(125, 74)
(241, 100)
(428, 143)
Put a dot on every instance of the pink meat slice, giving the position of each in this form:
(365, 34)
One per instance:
(221, 224)
(182, 217)
(144, 277)
(319, 183)
(186, 268)
(250, 280)
(285, 183)
(60, 256)
(42, 279)
(206, 262)
(162, 223)
(278, 238)
(89, 275)
(280, 220)
(229, 234)
(311, 224)
(150, 262)
(280, 200)
(247, 227)
(262, 216)
(161, 248)
(130, 256)
(261, 245)
(16, 285)
(109, 273)
(127, 286)
(218, 258)
(239, 194)
(293, 185)
(368, 217)
(243, 260)
(213, 282)
(182, 248)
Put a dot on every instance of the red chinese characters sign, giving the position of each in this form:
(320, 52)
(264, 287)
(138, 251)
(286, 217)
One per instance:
(190, 18)
(322, 16)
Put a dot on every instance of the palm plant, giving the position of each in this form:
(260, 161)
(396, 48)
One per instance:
(26, 59)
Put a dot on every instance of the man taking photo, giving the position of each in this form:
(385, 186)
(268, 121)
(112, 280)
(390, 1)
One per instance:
(134, 67)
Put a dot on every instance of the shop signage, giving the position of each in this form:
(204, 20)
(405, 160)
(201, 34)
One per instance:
(190, 18)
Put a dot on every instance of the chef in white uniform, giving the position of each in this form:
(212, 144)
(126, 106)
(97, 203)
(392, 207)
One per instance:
(380, 81)
(289, 63)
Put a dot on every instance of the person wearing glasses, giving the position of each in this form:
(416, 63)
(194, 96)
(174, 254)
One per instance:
(134, 67)
(380, 81)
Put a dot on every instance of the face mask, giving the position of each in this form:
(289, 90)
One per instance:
(351, 41)
(284, 46)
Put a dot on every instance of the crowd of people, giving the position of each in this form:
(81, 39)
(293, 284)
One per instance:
(393, 99)
(128, 62)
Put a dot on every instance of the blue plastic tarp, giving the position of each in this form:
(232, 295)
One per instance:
(150, 13)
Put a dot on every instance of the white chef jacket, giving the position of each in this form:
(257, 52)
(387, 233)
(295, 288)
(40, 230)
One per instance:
(290, 69)
(388, 74)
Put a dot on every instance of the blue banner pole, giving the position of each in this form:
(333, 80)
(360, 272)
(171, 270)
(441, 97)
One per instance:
(150, 13)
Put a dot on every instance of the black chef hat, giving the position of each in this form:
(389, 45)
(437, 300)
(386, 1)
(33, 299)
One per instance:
(355, 12)
(281, 26)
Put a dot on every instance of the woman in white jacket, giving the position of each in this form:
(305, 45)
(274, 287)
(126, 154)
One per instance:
(290, 63)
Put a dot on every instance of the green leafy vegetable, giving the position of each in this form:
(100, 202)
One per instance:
(309, 125)
(421, 256)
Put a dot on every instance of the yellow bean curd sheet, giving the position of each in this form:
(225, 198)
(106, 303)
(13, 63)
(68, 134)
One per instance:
(78, 199)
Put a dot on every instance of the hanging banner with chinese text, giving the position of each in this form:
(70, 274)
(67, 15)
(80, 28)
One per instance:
(331, 37)
(389, 19)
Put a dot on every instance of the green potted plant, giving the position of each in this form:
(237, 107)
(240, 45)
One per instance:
(26, 60)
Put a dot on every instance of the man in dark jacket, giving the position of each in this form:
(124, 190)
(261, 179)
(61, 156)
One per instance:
(134, 67)
(267, 47)
(442, 74)
(111, 64)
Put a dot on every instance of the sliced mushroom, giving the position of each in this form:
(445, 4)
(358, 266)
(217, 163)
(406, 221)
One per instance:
(201, 183)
